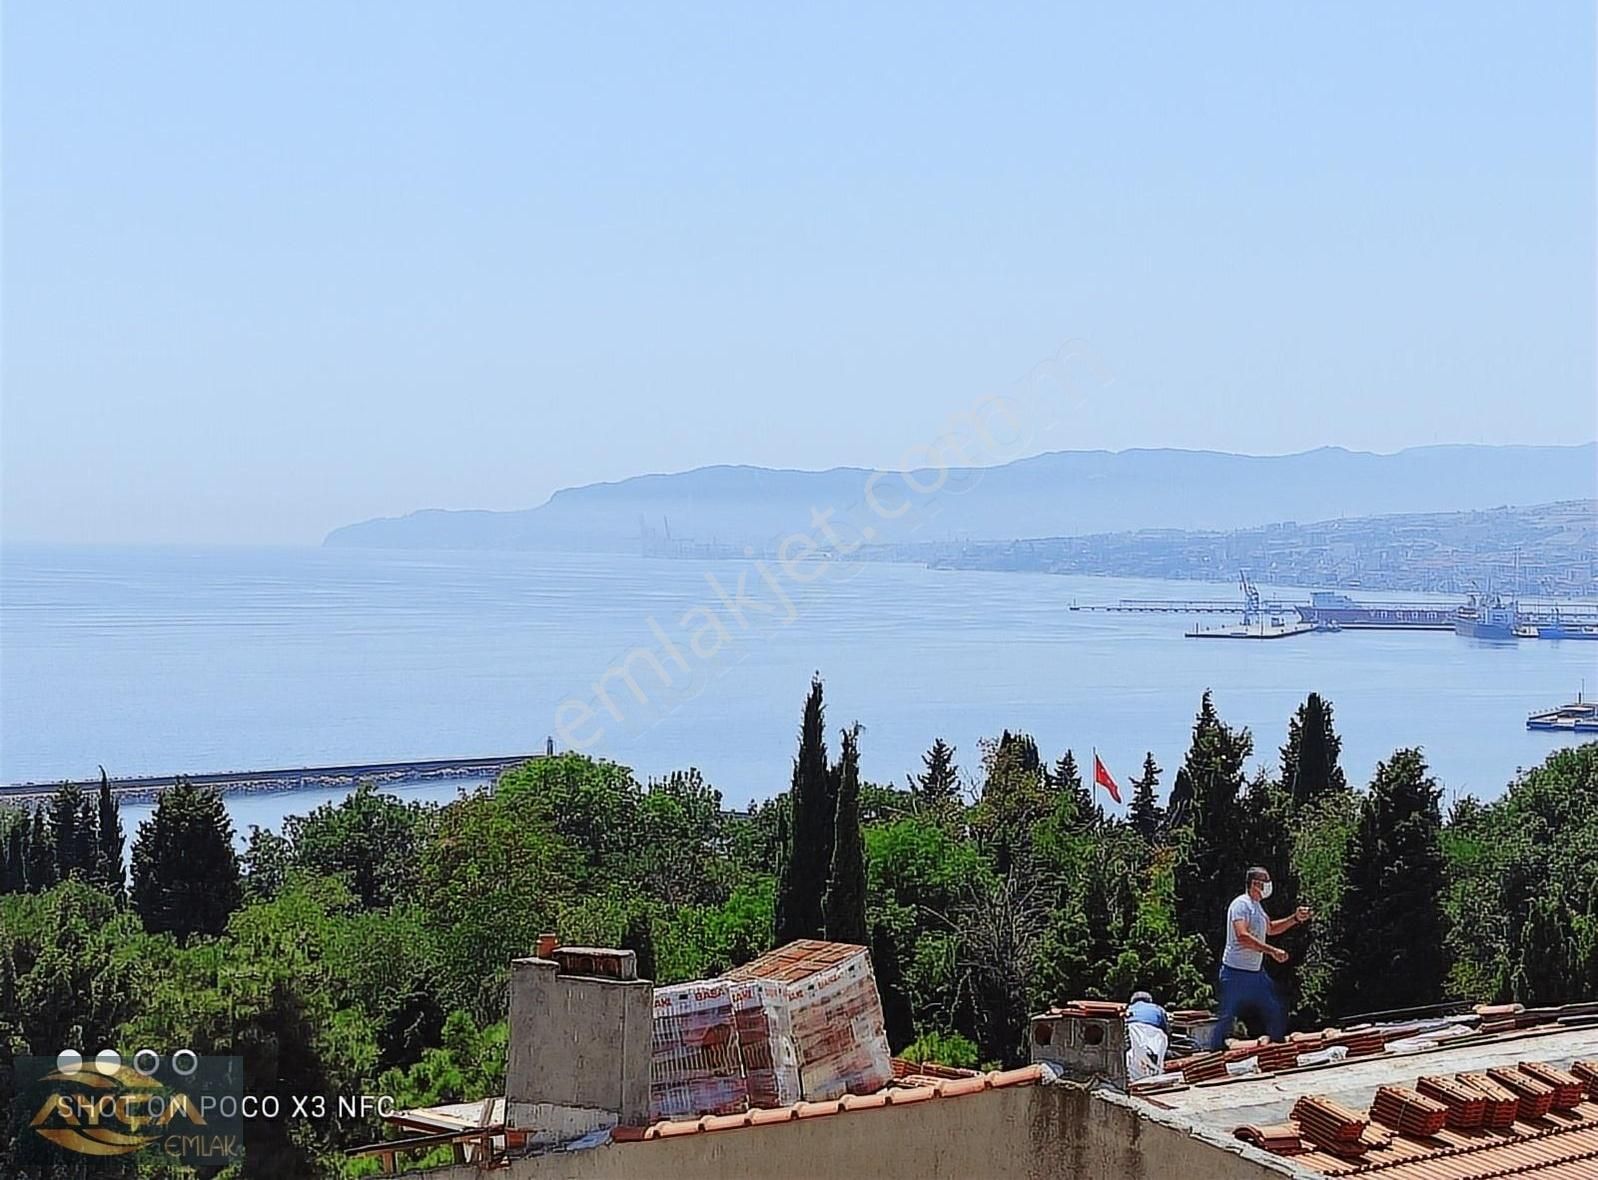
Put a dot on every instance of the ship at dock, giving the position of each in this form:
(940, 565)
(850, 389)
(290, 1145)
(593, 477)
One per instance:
(1489, 617)
(1328, 608)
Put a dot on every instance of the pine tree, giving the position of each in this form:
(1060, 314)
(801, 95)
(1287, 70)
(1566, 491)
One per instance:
(846, 884)
(1144, 814)
(108, 832)
(185, 868)
(1310, 768)
(1390, 926)
(937, 787)
(41, 854)
(1209, 871)
(1067, 780)
(803, 882)
(1015, 796)
(72, 833)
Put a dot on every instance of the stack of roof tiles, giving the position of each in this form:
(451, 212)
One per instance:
(1568, 1088)
(1536, 1098)
(835, 1014)
(1202, 1067)
(1330, 1125)
(1503, 1106)
(1587, 1071)
(1467, 1107)
(696, 1067)
(1408, 1112)
(1361, 1041)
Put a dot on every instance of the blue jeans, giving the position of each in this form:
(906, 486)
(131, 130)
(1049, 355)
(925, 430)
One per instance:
(1249, 992)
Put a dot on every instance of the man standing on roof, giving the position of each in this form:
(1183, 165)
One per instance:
(1245, 987)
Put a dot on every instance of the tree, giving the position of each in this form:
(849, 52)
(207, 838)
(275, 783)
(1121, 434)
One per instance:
(1390, 927)
(42, 872)
(1145, 814)
(1067, 780)
(14, 855)
(937, 787)
(185, 870)
(73, 835)
(1179, 807)
(1309, 759)
(846, 885)
(109, 870)
(1209, 872)
(802, 885)
(367, 838)
(1015, 797)
(1549, 967)
(265, 864)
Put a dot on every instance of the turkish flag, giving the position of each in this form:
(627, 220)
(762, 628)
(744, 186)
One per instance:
(1101, 778)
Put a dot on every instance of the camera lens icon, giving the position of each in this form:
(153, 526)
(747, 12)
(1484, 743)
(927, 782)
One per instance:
(146, 1062)
(185, 1062)
(107, 1062)
(69, 1061)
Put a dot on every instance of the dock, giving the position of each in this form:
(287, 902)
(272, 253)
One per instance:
(148, 787)
(1580, 716)
(1257, 629)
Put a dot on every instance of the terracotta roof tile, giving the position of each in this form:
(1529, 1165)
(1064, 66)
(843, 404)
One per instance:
(965, 1082)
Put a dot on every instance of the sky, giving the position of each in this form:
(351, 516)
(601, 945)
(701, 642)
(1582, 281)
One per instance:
(270, 269)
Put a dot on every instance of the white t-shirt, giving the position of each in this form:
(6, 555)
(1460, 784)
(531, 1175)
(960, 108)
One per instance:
(1236, 955)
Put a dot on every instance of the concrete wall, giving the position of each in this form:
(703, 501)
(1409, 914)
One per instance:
(580, 1048)
(1017, 1133)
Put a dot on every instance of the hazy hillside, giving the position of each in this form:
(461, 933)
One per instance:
(1057, 494)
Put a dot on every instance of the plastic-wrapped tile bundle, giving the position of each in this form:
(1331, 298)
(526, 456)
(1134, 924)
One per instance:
(765, 1042)
(835, 1013)
(696, 1067)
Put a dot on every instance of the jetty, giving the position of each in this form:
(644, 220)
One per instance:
(148, 787)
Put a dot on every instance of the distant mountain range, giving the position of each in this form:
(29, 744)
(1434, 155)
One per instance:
(1062, 493)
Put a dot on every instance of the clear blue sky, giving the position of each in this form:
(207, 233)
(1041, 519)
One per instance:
(272, 268)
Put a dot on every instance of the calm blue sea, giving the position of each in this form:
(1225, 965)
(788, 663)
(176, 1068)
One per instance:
(165, 660)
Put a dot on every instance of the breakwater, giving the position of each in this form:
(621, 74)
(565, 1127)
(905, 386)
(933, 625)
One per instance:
(240, 782)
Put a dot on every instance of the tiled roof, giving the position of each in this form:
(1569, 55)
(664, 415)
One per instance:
(907, 1090)
(1560, 1143)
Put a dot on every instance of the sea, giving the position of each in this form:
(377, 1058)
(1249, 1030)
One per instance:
(192, 660)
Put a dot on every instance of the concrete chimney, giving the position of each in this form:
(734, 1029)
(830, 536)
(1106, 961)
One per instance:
(581, 1038)
(1082, 1045)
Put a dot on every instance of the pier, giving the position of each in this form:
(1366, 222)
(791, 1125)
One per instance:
(148, 787)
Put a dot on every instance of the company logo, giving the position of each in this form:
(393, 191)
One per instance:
(181, 1109)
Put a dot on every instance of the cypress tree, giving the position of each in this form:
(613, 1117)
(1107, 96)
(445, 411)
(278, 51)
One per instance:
(803, 881)
(1310, 767)
(185, 868)
(41, 854)
(846, 885)
(1179, 808)
(1144, 814)
(72, 833)
(1210, 867)
(13, 858)
(938, 784)
(1390, 927)
(108, 831)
